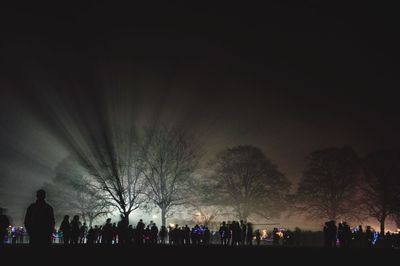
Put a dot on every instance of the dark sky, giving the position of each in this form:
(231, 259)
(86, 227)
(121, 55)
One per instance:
(289, 77)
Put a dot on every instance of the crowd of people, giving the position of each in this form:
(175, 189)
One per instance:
(343, 236)
(234, 233)
(40, 224)
(124, 233)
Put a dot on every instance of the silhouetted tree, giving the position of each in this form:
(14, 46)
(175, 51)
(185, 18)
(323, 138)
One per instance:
(169, 161)
(70, 193)
(99, 129)
(328, 184)
(381, 185)
(244, 179)
(120, 177)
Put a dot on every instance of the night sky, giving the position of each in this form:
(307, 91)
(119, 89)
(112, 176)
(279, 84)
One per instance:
(287, 77)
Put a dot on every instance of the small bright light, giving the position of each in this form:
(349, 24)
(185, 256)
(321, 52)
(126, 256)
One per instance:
(154, 216)
(264, 234)
(172, 225)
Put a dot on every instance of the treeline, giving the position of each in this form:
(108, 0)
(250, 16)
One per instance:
(162, 169)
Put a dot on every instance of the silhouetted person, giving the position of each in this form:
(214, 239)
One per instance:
(340, 235)
(242, 238)
(275, 236)
(326, 235)
(99, 233)
(130, 235)
(163, 234)
(4, 223)
(153, 234)
(258, 237)
(297, 237)
(82, 233)
(369, 236)
(346, 235)
(114, 233)
(39, 220)
(186, 234)
(65, 228)
(75, 229)
(91, 236)
(122, 230)
(176, 235)
(249, 234)
(222, 233)
(236, 233)
(333, 233)
(228, 233)
(147, 235)
(206, 235)
(359, 237)
(140, 232)
(107, 233)
(195, 235)
(330, 233)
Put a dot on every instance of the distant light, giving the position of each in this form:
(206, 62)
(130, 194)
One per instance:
(264, 234)
(154, 216)
(172, 225)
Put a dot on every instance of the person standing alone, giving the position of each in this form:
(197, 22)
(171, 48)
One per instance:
(39, 220)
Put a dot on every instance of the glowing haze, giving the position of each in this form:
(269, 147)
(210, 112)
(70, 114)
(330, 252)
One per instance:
(272, 78)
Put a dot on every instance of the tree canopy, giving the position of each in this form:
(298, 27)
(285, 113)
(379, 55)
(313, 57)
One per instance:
(244, 179)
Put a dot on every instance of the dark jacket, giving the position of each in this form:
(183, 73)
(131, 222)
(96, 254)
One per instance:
(39, 221)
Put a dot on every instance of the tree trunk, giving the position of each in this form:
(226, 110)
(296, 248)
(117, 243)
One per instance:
(91, 218)
(382, 222)
(163, 216)
(126, 216)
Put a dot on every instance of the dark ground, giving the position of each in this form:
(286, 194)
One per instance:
(204, 255)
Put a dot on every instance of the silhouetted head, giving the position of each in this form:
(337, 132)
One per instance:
(66, 217)
(76, 217)
(40, 194)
